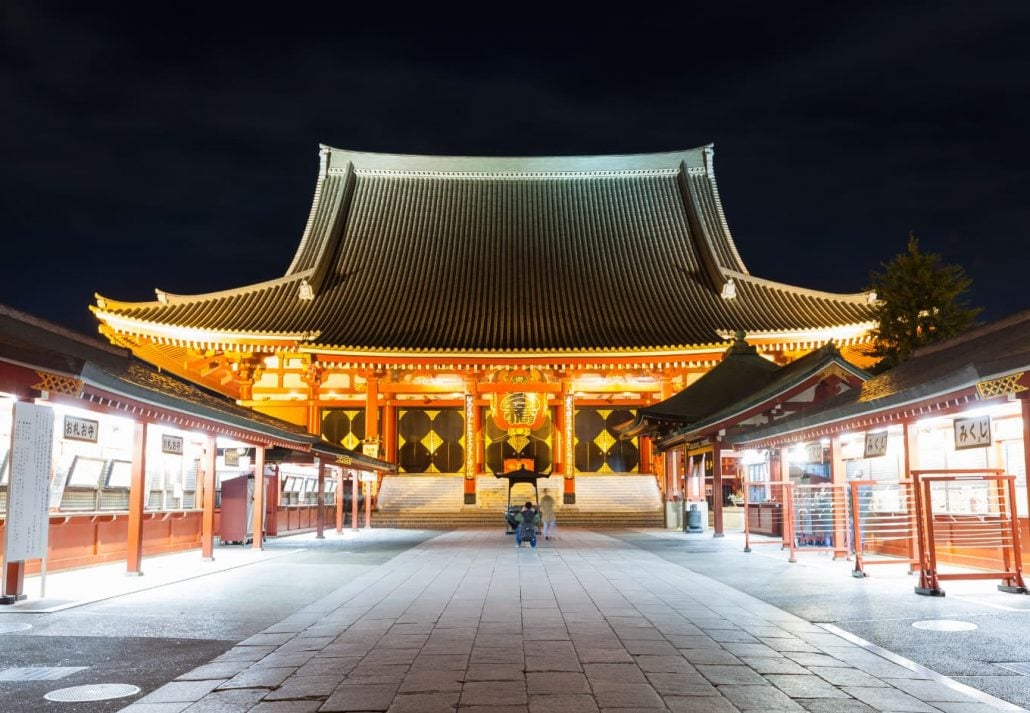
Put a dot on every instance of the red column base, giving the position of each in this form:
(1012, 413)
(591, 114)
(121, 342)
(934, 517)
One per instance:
(14, 583)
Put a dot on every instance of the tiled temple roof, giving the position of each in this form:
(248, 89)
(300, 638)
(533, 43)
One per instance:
(114, 373)
(990, 352)
(422, 254)
(741, 372)
(727, 411)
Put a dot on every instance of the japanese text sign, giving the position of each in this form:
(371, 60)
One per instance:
(972, 432)
(81, 429)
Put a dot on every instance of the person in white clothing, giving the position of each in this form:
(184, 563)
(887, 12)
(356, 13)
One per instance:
(547, 514)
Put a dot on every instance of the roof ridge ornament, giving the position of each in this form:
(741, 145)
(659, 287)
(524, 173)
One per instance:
(740, 345)
(729, 289)
(305, 291)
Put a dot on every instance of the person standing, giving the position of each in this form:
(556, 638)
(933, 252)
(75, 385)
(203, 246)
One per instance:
(527, 518)
(547, 514)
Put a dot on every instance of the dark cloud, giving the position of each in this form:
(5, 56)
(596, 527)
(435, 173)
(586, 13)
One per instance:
(175, 147)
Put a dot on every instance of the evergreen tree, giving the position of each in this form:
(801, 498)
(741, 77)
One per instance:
(922, 301)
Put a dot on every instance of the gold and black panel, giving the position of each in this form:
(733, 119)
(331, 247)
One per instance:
(598, 447)
(501, 444)
(430, 440)
(344, 427)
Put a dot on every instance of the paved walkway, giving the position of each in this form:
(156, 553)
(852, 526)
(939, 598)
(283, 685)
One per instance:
(71, 588)
(585, 623)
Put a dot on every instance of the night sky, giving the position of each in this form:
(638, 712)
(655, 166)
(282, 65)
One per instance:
(142, 150)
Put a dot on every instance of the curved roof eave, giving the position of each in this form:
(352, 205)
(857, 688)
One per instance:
(863, 298)
(595, 353)
(164, 298)
(195, 335)
(839, 333)
(964, 379)
(338, 159)
(767, 395)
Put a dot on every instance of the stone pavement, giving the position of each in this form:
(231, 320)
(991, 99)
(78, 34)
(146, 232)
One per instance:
(467, 622)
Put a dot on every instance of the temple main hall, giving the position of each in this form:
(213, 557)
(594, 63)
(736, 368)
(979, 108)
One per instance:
(466, 316)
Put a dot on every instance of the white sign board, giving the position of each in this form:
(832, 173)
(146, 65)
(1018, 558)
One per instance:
(81, 429)
(171, 444)
(972, 432)
(32, 448)
(875, 444)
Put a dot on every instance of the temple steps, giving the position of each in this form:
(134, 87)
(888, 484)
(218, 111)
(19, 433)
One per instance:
(436, 502)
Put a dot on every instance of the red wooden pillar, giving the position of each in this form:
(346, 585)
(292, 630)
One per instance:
(839, 479)
(558, 436)
(14, 583)
(134, 537)
(569, 438)
(368, 504)
(198, 492)
(776, 474)
(671, 461)
(1024, 404)
(354, 500)
(389, 432)
(717, 489)
(779, 494)
(472, 430)
(313, 378)
(477, 434)
(371, 407)
(910, 443)
(258, 523)
(339, 500)
(207, 518)
(320, 500)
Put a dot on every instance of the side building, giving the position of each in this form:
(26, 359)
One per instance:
(105, 459)
(461, 315)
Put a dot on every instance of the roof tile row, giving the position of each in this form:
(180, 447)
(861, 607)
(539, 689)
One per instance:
(415, 260)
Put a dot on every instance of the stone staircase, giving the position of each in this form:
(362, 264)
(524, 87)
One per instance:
(436, 502)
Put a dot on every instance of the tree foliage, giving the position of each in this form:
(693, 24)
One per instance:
(922, 301)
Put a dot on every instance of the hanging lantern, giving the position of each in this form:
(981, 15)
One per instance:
(518, 412)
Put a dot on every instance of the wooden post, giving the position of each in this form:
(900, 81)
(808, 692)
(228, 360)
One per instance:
(557, 436)
(14, 583)
(258, 522)
(339, 500)
(207, 518)
(371, 407)
(368, 505)
(569, 433)
(198, 491)
(389, 431)
(839, 479)
(1024, 405)
(910, 443)
(313, 378)
(320, 500)
(693, 480)
(717, 488)
(777, 493)
(471, 431)
(134, 537)
(477, 433)
(671, 463)
(354, 500)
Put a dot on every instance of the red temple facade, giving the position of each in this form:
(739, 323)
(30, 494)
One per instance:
(449, 314)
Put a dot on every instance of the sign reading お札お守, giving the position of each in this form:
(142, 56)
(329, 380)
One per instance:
(81, 429)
